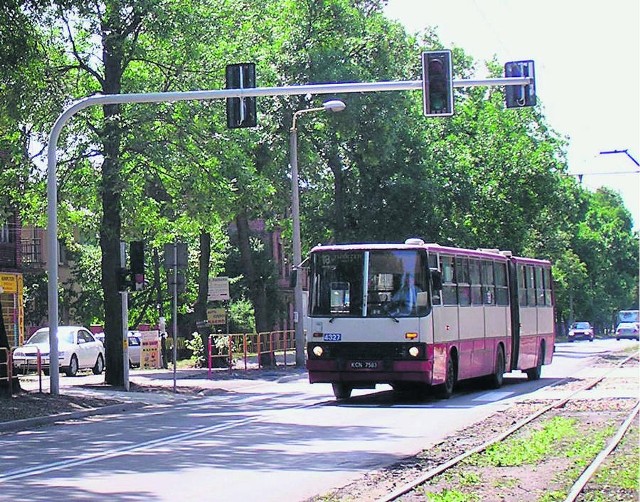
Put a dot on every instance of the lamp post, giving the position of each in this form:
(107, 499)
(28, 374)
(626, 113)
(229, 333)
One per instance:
(334, 106)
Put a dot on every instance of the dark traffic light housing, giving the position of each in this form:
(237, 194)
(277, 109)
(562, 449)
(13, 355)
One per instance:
(437, 83)
(132, 278)
(136, 262)
(241, 112)
(518, 96)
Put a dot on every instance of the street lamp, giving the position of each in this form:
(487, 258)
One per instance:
(333, 105)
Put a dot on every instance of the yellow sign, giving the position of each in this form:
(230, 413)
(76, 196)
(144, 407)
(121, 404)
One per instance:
(216, 317)
(9, 283)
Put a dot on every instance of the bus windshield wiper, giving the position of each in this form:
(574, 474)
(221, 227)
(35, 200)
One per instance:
(389, 314)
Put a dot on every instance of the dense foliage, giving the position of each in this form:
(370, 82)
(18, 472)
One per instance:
(379, 171)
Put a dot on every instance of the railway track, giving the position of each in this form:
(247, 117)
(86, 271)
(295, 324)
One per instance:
(434, 469)
(527, 421)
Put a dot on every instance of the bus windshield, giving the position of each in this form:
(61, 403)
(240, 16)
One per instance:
(628, 316)
(374, 283)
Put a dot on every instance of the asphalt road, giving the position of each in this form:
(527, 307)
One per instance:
(257, 440)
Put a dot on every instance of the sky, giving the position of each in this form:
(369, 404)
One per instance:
(587, 64)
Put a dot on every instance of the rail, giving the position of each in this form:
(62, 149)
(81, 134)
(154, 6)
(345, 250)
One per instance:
(251, 350)
(431, 473)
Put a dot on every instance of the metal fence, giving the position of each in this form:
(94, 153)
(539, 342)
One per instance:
(251, 350)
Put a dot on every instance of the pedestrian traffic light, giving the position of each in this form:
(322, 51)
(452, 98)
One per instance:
(241, 112)
(437, 83)
(518, 96)
(136, 262)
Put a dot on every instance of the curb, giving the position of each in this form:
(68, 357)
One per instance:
(26, 423)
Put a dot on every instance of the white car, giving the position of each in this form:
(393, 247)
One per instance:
(77, 349)
(628, 330)
(135, 343)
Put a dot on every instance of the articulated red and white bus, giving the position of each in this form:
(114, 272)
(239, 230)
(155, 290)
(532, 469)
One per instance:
(418, 315)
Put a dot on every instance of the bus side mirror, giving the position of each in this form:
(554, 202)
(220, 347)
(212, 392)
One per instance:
(436, 279)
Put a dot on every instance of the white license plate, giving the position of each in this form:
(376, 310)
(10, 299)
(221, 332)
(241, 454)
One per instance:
(364, 365)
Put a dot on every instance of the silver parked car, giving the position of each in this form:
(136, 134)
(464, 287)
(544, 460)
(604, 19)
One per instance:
(77, 349)
(135, 344)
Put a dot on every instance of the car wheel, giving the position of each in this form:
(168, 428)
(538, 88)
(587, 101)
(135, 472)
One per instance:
(72, 370)
(497, 378)
(445, 391)
(341, 390)
(98, 368)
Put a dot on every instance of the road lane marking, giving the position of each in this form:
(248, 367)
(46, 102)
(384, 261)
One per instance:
(96, 457)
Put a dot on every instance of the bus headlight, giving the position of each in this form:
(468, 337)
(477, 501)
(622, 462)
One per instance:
(317, 351)
(414, 351)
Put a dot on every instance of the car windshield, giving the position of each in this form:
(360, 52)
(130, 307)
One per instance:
(43, 337)
(581, 325)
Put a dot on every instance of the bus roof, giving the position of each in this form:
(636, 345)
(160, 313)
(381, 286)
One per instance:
(431, 247)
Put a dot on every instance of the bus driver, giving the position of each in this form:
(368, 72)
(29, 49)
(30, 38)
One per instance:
(406, 298)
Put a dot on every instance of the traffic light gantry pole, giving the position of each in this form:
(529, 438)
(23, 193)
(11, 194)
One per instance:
(167, 97)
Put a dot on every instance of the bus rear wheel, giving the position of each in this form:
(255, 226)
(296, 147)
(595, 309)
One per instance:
(497, 378)
(341, 390)
(535, 372)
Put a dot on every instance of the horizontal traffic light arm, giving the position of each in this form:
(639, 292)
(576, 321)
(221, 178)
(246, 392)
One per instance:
(291, 90)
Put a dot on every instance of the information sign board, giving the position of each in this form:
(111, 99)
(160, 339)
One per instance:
(218, 289)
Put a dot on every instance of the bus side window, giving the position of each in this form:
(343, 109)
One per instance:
(539, 286)
(449, 294)
(488, 284)
(531, 288)
(476, 282)
(464, 286)
(436, 285)
(502, 290)
(522, 286)
(547, 286)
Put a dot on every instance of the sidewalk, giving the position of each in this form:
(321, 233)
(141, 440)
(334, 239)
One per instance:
(153, 386)
(88, 395)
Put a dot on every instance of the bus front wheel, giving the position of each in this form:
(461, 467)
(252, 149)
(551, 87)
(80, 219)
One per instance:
(445, 390)
(341, 390)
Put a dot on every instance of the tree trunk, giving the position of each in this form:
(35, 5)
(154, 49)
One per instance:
(111, 226)
(110, 231)
(256, 285)
(257, 290)
(338, 196)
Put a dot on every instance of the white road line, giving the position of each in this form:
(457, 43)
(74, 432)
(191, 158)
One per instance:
(96, 457)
